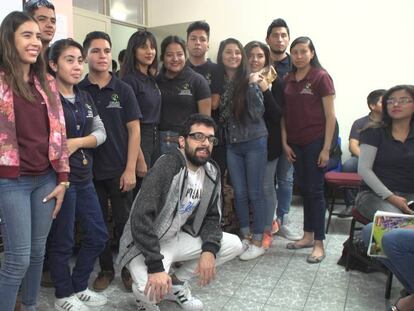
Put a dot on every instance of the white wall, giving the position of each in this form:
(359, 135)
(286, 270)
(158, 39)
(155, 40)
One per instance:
(364, 45)
(9, 6)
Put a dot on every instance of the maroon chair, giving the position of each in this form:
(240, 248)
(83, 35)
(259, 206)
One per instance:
(336, 182)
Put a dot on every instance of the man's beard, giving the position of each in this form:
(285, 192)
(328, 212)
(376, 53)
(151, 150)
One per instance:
(278, 52)
(197, 161)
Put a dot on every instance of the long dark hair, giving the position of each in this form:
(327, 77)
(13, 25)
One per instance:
(386, 119)
(257, 44)
(306, 40)
(241, 79)
(10, 60)
(53, 53)
(137, 40)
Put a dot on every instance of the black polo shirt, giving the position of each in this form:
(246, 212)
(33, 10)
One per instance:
(180, 96)
(148, 96)
(283, 67)
(79, 120)
(117, 105)
(394, 162)
(209, 71)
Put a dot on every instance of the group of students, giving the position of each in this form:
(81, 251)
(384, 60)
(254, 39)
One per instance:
(71, 145)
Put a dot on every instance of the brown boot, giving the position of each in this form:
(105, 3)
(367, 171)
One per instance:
(103, 280)
(46, 280)
(126, 279)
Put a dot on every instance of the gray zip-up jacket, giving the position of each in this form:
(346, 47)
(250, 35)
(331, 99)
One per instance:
(156, 204)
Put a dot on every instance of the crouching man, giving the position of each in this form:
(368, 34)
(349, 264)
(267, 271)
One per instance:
(176, 218)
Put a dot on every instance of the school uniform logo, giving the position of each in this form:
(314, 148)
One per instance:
(208, 78)
(89, 112)
(185, 91)
(307, 89)
(114, 102)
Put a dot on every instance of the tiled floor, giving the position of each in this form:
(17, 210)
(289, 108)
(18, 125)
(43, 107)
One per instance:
(279, 280)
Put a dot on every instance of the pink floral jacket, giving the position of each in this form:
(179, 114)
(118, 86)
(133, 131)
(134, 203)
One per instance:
(9, 149)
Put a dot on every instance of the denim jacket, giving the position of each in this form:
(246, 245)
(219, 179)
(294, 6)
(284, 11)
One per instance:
(253, 126)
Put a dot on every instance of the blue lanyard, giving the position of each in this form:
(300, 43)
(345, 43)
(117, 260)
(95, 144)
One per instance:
(78, 127)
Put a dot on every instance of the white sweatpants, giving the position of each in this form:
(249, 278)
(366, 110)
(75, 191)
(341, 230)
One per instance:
(187, 249)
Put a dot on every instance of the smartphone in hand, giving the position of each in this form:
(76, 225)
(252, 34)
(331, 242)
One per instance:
(411, 205)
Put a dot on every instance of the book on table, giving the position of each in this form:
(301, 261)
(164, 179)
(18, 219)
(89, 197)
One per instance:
(384, 222)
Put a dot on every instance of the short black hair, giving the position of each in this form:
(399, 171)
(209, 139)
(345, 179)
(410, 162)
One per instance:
(32, 5)
(276, 23)
(199, 25)
(93, 36)
(374, 96)
(197, 118)
(121, 56)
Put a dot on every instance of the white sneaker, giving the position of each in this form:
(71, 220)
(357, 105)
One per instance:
(252, 252)
(245, 245)
(71, 303)
(91, 298)
(142, 301)
(181, 294)
(287, 233)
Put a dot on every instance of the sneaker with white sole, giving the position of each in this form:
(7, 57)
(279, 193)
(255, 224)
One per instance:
(287, 233)
(245, 245)
(91, 298)
(142, 301)
(252, 252)
(181, 294)
(71, 303)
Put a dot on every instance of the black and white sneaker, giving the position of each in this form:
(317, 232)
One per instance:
(91, 298)
(142, 301)
(71, 303)
(181, 294)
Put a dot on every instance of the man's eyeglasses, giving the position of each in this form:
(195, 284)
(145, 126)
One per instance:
(399, 101)
(202, 138)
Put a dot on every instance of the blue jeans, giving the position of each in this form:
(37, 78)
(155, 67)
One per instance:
(167, 141)
(81, 202)
(284, 186)
(25, 223)
(246, 163)
(269, 193)
(398, 245)
(310, 180)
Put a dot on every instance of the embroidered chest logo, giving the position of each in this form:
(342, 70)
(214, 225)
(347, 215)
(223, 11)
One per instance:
(208, 78)
(114, 102)
(307, 89)
(185, 91)
(89, 112)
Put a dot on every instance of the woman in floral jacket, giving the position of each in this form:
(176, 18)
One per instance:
(34, 163)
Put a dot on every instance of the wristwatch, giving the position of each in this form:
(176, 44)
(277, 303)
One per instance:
(66, 184)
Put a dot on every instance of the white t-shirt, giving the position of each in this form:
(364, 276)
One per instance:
(190, 199)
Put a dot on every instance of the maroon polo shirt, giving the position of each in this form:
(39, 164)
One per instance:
(32, 131)
(303, 111)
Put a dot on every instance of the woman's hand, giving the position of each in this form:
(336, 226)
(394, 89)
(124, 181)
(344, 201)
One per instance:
(323, 158)
(400, 202)
(72, 145)
(290, 154)
(58, 193)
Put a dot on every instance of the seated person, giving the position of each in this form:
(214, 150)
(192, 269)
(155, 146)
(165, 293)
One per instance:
(398, 245)
(176, 218)
(386, 160)
(351, 165)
